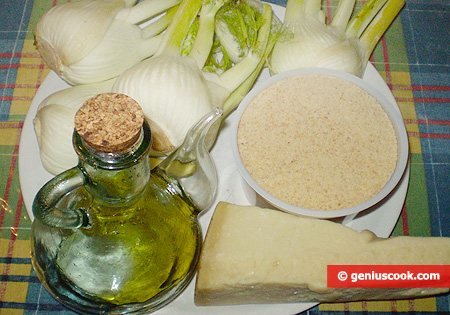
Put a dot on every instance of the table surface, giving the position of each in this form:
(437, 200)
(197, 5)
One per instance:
(413, 58)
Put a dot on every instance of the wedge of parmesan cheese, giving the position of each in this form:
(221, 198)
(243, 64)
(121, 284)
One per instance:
(255, 255)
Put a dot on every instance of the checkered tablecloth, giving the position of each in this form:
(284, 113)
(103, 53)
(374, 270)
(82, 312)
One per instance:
(414, 60)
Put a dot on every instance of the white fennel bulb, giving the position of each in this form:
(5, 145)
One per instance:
(54, 129)
(73, 97)
(172, 89)
(186, 94)
(169, 87)
(94, 40)
(343, 44)
(54, 124)
(120, 48)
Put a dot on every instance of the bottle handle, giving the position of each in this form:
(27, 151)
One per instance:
(45, 203)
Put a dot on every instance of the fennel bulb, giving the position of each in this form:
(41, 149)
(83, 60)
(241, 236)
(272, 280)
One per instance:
(95, 40)
(344, 44)
(54, 124)
(172, 89)
(54, 129)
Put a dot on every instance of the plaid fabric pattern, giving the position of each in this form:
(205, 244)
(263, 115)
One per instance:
(413, 58)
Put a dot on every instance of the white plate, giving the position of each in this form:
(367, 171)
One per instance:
(381, 220)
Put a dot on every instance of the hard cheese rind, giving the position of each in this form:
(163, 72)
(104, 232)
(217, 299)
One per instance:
(255, 255)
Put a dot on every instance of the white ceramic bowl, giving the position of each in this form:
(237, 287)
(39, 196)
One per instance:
(392, 112)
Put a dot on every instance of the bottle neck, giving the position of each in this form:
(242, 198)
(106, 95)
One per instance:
(116, 178)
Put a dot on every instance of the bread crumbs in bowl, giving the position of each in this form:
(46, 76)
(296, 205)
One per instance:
(320, 143)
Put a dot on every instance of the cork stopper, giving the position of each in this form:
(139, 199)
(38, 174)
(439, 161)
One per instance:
(109, 122)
